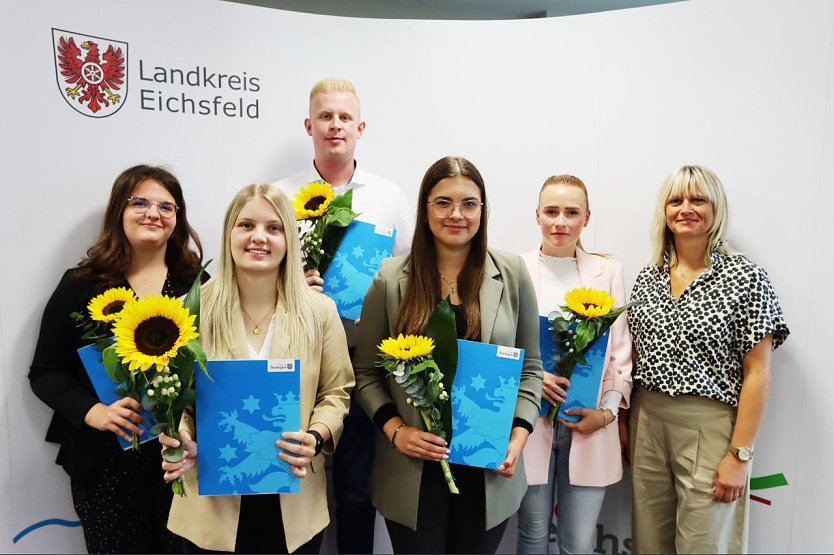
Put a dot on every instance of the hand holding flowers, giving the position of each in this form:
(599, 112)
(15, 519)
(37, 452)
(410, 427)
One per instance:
(591, 313)
(408, 360)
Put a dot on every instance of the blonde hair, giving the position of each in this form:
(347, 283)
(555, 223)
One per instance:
(333, 84)
(220, 294)
(571, 181)
(688, 181)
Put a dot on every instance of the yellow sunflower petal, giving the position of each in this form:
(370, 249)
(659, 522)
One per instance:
(588, 302)
(149, 332)
(407, 347)
(106, 307)
(313, 200)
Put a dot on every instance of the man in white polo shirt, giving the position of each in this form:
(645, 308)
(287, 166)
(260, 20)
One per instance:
(335, 124)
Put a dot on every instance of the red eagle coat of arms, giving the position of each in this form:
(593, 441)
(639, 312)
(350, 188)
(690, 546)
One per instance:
(91, 71)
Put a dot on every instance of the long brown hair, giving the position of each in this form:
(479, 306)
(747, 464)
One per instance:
(423, 289)
(108, 259)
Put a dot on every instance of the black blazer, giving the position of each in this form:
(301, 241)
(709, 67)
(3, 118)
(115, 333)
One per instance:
(58, 378)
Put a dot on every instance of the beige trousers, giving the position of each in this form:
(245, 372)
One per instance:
(676, 445)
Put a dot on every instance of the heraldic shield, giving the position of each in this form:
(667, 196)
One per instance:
(91, 72)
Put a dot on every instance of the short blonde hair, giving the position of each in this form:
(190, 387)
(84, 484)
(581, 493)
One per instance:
(220, 293)
(688, 181)
(333, 84)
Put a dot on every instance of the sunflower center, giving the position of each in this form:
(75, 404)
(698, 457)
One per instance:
(589, 306)
(314, 203)
(156, 336)
(113, 308)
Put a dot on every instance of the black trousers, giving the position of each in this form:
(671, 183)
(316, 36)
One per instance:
(124, 507)
(261, 529)
(352, 464)
(449, 523)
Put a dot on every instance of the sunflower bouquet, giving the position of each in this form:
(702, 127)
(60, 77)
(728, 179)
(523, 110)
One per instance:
(590, 313)
(408, 359)
(323, 218)
(154, 353)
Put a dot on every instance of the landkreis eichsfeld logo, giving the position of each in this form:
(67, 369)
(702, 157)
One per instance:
(91, 72)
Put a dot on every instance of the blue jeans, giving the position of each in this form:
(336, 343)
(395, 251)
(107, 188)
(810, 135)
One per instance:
(579, 506)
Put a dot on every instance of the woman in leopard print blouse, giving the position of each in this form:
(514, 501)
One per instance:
(703, 337)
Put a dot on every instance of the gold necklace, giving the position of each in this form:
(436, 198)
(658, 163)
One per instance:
(257, 328)
(450, 284)
(685, 275)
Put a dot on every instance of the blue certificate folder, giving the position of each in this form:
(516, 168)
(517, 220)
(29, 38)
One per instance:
(484, 396)
(362, 250)
(241, 412)
(586, 378)
(106, 389)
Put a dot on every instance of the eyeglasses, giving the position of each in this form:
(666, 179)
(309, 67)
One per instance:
(469, 209)
(140, 205)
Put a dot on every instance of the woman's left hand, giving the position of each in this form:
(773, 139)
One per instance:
(591, 420)
(518, 438)
(730, 480)
(303, 445)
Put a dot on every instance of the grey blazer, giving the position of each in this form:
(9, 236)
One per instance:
(509, 316)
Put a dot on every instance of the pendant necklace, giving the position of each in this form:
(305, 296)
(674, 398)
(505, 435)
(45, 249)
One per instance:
(451, 284)
(257, 329)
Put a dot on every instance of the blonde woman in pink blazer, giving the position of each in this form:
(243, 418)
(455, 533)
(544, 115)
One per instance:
(572, 463)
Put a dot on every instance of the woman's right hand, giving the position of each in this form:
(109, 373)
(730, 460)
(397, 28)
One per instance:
(554, 388)
(174, 470)
(421, 445)
(120, 417)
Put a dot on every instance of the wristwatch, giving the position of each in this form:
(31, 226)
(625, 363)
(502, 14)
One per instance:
(319, 440)
(744, 454)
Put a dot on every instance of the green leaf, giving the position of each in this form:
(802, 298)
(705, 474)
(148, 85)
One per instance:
(158, 428)
(173, 455)
(339, 217)
(111, 361)
(148, 403)
(120, 374)
(199, 356)
(584, 335)
(121, 392)
(192, 299)
(442, 329)
(185, 398)
(344, 200)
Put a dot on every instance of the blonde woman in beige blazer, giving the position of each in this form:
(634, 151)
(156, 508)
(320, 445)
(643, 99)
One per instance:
(259, 306)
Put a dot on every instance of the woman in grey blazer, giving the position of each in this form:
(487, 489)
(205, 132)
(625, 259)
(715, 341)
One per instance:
(494, 301)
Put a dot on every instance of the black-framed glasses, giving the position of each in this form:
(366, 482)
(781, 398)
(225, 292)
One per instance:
(140, 205)
(444, 208)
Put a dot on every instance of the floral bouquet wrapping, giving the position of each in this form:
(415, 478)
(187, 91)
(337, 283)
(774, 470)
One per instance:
(591, 312)
(323, 218)
(153, 355)
(408, 359)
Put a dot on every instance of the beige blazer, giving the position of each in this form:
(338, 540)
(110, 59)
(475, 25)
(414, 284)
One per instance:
(509, 316)
(211, 522)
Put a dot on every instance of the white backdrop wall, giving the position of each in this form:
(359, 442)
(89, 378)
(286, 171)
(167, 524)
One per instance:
(620, 99)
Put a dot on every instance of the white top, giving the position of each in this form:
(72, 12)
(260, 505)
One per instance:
(557, 276)
(378, 201)
(263, 354)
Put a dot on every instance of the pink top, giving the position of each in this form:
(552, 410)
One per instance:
(594, 458)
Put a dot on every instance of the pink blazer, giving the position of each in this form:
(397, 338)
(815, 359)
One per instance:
(594, 458)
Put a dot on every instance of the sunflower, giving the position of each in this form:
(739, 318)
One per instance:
(150, 332)
(407, 347)
(313, 200)
(107, 306)
(588, 302)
